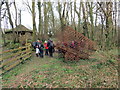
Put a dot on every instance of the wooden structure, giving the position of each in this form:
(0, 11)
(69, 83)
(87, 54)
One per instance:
(83, 46)
(21, 31)
(11, 58)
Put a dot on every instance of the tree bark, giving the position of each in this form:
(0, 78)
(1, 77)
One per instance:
(78, 14)
(85, 27)
(40, 20)
(71, 12)
(91, 19)
(11, 22)
(74, 16)
(107, 11)
(34, 23)
(52, 13)
(109, 23)
(45, 21)
(2, 34)
(17, 35)
(115, 32)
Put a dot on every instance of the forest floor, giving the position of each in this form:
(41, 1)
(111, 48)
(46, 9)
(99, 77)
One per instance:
(100, 71)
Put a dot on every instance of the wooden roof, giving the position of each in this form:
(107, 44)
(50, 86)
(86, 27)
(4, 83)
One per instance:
(19, 28)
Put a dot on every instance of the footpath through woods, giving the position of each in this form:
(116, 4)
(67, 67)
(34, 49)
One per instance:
(98, 71)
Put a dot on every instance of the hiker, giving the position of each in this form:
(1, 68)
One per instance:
(50, 47)
(36, 45)
(72, 45)
(41, 47)
(46, 48)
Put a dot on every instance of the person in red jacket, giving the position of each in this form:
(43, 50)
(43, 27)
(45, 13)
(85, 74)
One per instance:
(46, 48)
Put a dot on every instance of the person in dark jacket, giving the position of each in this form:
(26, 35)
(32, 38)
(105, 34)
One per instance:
(34, 45)
(41, 47)
(50, 47)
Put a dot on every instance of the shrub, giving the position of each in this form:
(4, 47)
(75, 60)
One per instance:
(112, 61)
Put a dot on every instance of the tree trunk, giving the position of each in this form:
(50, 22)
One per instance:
(96, 18)
(79, 20)
(2, 34)
(45, 21)
(71, 12)
(109, 23)
(17, 35)
(15, 13)
(115, 32)
(67, 16)
(85, 28)
(52, 17)
(11, 23)
(78, 13)
(91, 19)
(40, 20)
(62, 16)
(107, 11)
(19, 22)
(74, 16)
(34, 23)
(101, 38)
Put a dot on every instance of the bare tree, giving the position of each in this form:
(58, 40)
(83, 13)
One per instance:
(45, 19)
(28, 6)
(106, 8)
(2, 34)
(40, 19)
(62, 14)
(51, 18)
(11, 22)
(91, 7)
(78, 13)
(71, 11)
(16, 16)
(34, 23)
(85, 27)
(115, 35)
(15, 12)
(67, 13)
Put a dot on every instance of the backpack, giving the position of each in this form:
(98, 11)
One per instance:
(51, 44)
(34, 44)
(41, 46)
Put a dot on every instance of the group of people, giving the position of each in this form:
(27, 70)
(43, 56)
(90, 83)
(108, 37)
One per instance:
(47, 47)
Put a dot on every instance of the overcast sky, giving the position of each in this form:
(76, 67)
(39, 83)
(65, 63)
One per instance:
(26, 16)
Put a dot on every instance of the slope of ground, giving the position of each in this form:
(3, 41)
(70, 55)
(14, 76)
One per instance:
(98, 72)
